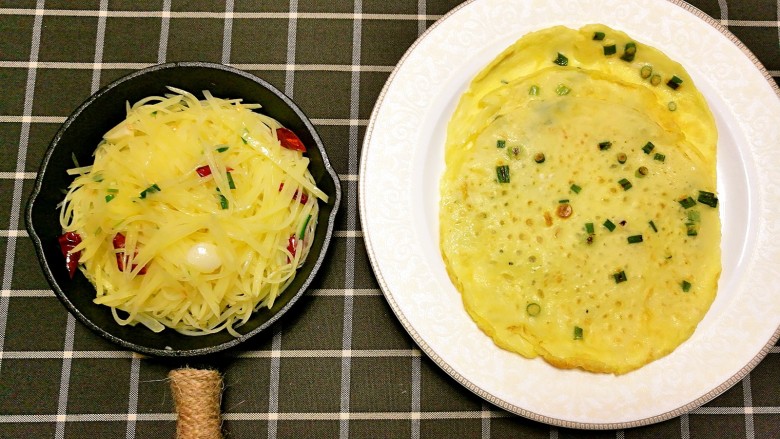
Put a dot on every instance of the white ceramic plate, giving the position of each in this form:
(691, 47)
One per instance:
(402, 162)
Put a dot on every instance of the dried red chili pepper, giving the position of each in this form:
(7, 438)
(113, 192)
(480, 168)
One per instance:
(292, 243)
(119, 244)
(289, 140)
(205, 171)
(68, 241)
(304, 197)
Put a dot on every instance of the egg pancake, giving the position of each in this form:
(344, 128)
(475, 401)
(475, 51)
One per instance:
(578, 214)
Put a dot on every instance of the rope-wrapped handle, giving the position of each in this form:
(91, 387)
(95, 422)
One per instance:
(197, 394)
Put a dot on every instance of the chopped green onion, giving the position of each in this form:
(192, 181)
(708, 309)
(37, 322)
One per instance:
(648, 147)
(660, 157)
(652, 226)
(223, 202)
(151, 189)
(500, 143)
(692, 229)
(561, 60)
(533, 309)
(97, 177)
(223, 148)
(655, 79)
(694, 216)
(605, 145)
(576, 189)
(589, 228)
(635, 239)
(109, 197)
(686, 286)
(112, 190)
(302, 229)
(504, 81)
(562, 90)
(621, 158)
(687, 202)
(610, 50)
(674, 83)
(539, 157)
(646, 71)
(672, 106)
(609, 225)
(598, 36)
(577, 333)
(534, 90)
(243, 136)
(513, 152)
(563, 201)
(231, 184)
(642, 171)
(620, 276)
(502, 172)
(629, 52)
(708, 198)
(625, 183)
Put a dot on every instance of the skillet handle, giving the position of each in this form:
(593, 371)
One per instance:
(197, 394)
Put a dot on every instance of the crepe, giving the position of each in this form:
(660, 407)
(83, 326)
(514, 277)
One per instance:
(578, 213)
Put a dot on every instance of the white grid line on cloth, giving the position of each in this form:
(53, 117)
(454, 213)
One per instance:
(13, 234)
(275, 352)
(724, 11)
(21, 159)
(685, 426)
(132, 402)
(59, 119)
(289, 66)
(165, 27)
(70, 326)
(485, 423)
(553, 432)
(167, 13)
(421, 24)
(348, 233)
(416, 361)
(292, 38)
(332, 416)
(18, 176)
(62, 401)
(323, 292)
(99, 43)
(227, 32)
(747, 395)
(620, 434)
(276, 343)
(349, 275)
(276, 369)
(33, 175)
(416, 394)
(338, 233)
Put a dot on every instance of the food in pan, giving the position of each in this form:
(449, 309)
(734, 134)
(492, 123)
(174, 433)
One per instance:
(578, 212)
(194, 214)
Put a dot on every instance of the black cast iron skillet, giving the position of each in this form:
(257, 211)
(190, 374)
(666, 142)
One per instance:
(80, 135)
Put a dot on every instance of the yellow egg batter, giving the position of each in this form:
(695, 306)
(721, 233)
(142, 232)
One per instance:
(578, 211)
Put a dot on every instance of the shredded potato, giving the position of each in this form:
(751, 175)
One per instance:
(166, 245)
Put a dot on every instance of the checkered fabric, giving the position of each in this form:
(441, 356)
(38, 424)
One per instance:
(339, 364)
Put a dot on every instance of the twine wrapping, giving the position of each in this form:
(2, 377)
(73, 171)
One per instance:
(197, 394)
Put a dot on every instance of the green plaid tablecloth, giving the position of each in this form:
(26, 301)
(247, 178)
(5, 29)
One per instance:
(339, 364)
